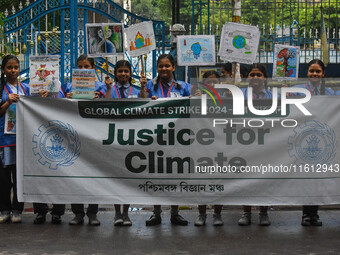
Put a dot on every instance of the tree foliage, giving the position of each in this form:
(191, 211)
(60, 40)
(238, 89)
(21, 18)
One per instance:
(162, 10)
(7, 4)
(146, 9)
(3, 40)
(270, 13)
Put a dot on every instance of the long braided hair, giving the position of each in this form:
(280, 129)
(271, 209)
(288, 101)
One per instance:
(322, 65)
(3, 77)
(173, 62)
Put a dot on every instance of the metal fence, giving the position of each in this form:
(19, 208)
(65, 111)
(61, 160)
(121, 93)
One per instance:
(57, 27)
(290, 22)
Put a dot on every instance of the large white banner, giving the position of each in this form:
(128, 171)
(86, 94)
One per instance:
(165, 152)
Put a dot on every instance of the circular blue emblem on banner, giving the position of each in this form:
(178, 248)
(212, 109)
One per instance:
(312, 143)
(56, 144)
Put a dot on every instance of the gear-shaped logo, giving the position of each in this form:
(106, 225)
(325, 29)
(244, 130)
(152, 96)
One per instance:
(312, 143)
(56, 144)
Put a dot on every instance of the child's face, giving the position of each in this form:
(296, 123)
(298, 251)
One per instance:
(225, 73)
(211, 80)
(84, 64)
(11, 69)
(256, 78)
(315, 73)
(123, 75)
(225, 76)
(165, 69)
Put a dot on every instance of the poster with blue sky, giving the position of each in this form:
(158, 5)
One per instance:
(286, 62)
(196, 50)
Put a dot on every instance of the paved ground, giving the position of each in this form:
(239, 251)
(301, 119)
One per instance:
(284, 236)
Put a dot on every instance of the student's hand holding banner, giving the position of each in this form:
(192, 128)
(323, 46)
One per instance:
(13, 98)
(43, 93)
(198, 93)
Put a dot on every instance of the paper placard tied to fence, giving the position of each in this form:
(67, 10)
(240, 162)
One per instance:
(239, 43)
(286, 62)
(44, 74)
(83, 83)
(140, 39)
(105, 39)
(196, 50)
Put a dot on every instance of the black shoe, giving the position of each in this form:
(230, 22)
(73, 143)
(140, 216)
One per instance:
(93, 221)
(77, 220)
(154, 220)
(315, 221)
(178, 220)
(306, 220)
(56, 219)
(40, 219)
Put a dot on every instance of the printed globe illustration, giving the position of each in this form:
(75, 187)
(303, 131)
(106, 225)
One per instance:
(239, 42)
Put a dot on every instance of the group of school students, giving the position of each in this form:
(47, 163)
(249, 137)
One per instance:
(163, 86)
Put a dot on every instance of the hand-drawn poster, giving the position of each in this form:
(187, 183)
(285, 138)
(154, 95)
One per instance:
(140, 39)
(286, 62)
(104, 39)
(44, 74)
(10, 120)
(196, 50)
(239, 43)
(83, 83)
